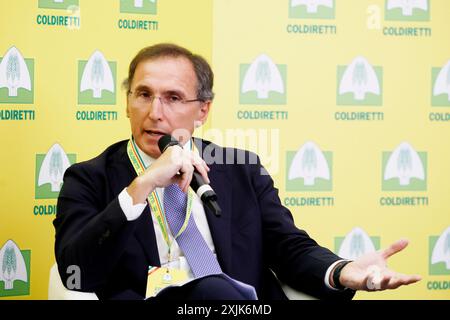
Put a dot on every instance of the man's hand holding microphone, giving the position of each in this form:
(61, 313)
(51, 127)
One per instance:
(175, 166)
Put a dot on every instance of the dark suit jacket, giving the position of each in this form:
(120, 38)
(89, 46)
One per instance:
(254, 235)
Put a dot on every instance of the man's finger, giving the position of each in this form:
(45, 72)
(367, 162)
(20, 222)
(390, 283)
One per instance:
(201, 169)
(200, 165)
(394, 248)
(402, 279)
(186, 175)
(199, 161)
(183, 182)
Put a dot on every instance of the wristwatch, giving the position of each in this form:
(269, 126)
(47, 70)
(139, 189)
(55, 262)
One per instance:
(337, 274)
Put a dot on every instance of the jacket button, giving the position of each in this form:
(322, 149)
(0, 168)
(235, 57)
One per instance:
(106, 234)
(103, 237)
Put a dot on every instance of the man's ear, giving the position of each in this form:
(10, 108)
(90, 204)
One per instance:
(204, 111)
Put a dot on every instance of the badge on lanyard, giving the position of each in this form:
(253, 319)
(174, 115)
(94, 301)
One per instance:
(159, 278)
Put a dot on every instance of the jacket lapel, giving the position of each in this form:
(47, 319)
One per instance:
(220, 227)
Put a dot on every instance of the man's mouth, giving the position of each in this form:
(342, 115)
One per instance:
(155, 132)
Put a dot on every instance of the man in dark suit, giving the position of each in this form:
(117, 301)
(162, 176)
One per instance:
(112, 224)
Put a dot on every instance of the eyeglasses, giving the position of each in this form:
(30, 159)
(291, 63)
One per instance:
(171, 100)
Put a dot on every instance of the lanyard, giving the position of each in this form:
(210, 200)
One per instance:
(153, 199)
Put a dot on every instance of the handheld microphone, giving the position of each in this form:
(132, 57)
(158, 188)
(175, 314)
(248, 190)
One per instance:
(198, 184)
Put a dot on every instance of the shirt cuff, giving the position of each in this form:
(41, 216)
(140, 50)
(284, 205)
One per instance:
(327, 275)
(132, 212)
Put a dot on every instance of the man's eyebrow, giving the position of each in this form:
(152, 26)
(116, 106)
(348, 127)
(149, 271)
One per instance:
(142, 87)
(175, 92)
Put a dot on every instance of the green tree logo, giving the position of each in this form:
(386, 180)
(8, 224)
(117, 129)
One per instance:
(50, 169)
(309, 160)
(262, 82)
(404, 169)
(404, 162)
(16, 78)
(96, 80)
(13, 70)
(9, 267)
(262, 72)
(309, 169)
(15, 270)
(359, 75)
(56, 169)
(357, 247)
(359, 83)
(97, 76)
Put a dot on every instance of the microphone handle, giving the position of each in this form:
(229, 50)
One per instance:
(205, 193)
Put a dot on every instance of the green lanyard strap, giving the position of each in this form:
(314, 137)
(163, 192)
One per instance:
(153, 199)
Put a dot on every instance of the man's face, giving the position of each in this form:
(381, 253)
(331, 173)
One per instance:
(171, 79)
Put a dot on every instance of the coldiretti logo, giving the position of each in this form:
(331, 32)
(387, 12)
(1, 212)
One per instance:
(262, 82)
(96, 80)
(441, 85)
(404, 169)
(309, 169)
(440, 253)
(16, 78)
(407, 10)
(311, 9)
(359, 83)
(57, 4)
(138, 6)
(356, 243)
(15, 270)
(50, 170)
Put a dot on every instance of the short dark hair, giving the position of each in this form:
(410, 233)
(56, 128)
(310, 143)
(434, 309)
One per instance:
(203, 71)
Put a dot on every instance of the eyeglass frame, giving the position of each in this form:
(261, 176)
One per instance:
(182, 101)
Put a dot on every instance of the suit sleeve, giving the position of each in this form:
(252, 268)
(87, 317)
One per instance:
(91, 232)
(292, 254)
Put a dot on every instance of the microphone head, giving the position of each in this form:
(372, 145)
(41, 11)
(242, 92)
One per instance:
(167, 141)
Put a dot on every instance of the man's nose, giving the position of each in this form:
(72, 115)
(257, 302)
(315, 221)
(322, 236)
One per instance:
(156, 108)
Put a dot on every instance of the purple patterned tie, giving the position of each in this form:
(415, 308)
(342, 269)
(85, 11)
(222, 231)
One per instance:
(197, 253)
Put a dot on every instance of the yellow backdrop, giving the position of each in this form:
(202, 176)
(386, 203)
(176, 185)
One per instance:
(346, 102)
